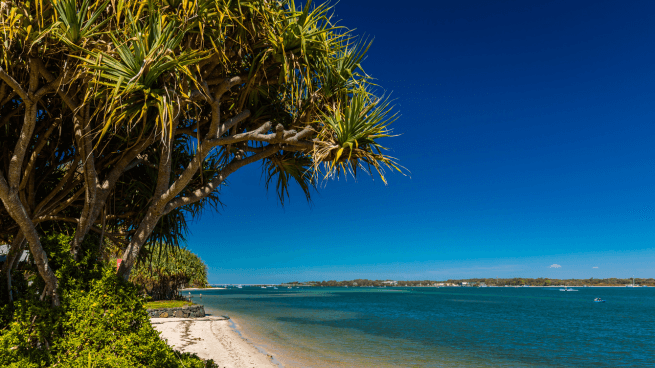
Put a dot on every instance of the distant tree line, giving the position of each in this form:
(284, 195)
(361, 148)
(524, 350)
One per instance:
(517, 281)
(365, 283)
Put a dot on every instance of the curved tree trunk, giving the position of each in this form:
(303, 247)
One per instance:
(17, 211)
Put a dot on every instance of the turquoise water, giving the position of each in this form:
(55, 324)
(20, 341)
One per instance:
(445, 327)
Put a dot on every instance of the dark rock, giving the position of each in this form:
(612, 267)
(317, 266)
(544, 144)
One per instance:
(193, 311)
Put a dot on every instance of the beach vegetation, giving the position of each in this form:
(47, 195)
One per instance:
(101, 321)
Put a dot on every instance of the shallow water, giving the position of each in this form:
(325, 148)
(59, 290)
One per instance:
(445, 327)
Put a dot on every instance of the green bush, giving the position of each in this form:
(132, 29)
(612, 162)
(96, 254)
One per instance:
(105, 327)
(102, 321)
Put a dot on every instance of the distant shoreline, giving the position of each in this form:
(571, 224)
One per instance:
(209, 288)
(561, 286)
(492, 286)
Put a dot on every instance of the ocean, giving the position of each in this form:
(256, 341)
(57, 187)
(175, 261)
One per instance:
(443, 327)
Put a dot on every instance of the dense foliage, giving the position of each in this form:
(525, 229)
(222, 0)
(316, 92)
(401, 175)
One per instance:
(101, 322)
(167, 269)
(105, 326)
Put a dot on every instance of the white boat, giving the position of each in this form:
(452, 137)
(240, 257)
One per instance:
(567, 289)
(239, 287)
(633, 283)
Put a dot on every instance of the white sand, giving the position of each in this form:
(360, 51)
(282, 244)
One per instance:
(211, 338)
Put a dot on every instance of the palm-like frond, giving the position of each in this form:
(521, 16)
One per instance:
(76, 23)
(339, 74)
(283, 169)
(350, 136)
(133, 73)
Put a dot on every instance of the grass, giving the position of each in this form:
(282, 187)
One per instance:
(167, 304)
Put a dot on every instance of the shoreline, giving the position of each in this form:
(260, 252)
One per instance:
(213, 337)
(209, 288)
(240, 332)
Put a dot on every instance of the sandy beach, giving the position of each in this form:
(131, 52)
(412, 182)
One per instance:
(211, 338)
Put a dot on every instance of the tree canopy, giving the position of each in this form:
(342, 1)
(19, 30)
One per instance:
(123, 118)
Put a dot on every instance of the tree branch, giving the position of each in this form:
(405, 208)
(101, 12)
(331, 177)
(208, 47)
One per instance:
(8, 98)
(13, 84)
(16, 162)
(140, 160)
(226, 84)
(280, 136)
(206, 190)
(157, 209)
(165, 163)
(43, 139)
(104, 188)
(216, 131)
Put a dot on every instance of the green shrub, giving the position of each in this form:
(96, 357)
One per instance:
(102, 321)
(167, 304)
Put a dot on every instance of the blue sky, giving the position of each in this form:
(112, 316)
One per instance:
(528, 128)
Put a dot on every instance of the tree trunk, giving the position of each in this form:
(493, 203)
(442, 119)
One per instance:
(17, 212)
(13, 255)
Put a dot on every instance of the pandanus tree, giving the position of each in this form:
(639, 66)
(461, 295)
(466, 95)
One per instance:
(121, 118)
(167, 269)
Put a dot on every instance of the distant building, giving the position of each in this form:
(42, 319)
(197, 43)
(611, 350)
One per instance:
(394, 283)
(464, 283)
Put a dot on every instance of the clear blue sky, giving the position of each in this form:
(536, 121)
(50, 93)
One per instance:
(528, 128)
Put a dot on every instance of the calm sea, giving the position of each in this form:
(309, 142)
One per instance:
(444, 327)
